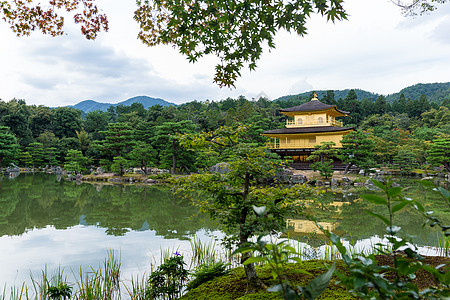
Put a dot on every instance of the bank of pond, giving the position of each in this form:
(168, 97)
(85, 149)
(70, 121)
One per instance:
(47, 222)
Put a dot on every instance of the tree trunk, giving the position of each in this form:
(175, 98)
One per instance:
(253, 280)
(347, 168)
(174, 157)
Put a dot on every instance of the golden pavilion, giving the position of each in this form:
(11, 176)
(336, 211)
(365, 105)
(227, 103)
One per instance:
(312, 123)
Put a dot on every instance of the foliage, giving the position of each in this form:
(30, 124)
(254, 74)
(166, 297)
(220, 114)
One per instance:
(8, 146)
(325, 168)
(323, 154)
(142, 155)
(206, 272)
(119, 164)
(367, 279)
(168, 279)
(118, 139)
(439, 152)
(75, 161)
(234, 31)
(229, 197)
(25, 18)
(277, 256)
(357, 150)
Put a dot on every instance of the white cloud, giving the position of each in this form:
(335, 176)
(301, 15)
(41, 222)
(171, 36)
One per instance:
(376, 49)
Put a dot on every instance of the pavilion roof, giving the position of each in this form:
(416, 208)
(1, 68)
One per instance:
(313, 105)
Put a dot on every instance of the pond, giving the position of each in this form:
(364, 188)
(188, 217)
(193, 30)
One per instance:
(49, 222)
(46, 222)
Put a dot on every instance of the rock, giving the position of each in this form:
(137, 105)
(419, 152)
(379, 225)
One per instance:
(370, 186)
(78, 177)
(347, 181)
(100, 171)
(334, 181)
(220, 168)
(319, 183)
(298, 179)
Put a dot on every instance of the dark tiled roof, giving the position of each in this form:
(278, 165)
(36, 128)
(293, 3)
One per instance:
(312, 105)
(316, 129)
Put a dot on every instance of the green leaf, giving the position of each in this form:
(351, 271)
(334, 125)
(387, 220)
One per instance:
(379, 184)
(394, 191)
(319, 284)
(382, 218)
(253, 260)
(444, 192)
(374, 199)
(399, 206)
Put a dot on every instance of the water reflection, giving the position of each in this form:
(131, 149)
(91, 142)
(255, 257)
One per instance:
(36, 201)
(344, 213)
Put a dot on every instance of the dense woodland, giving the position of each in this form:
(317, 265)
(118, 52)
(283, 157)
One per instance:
(401, 134)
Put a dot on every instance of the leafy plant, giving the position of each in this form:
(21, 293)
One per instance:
(168, 279)
(277, 256)
(207, 272)
(367, 279)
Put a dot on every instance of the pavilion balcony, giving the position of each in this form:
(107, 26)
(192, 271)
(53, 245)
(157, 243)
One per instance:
(292, 124)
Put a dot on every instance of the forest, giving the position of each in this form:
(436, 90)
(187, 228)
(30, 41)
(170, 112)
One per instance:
(405, 133)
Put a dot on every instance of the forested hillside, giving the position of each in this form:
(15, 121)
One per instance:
(91, 105)
(435, 93)
(30, 135)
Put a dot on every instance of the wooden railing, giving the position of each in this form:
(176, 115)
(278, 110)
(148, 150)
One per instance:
(291, 124)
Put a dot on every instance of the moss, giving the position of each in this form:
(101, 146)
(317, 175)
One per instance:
(234, 285)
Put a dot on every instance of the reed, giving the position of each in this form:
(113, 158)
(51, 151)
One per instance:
(202, 253)
(443, 244)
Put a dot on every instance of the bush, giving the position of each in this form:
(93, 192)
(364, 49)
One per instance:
(206, 272)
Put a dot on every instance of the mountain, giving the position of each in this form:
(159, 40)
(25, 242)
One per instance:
(337, 94)
(91, 105)
(435, 92)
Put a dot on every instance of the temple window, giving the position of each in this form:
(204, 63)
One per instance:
(299, 121)
(319, 120)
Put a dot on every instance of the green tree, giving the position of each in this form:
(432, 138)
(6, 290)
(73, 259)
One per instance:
(25, 158)
(75, 161)
(118, 141)
(84, 139)
(439, 153)
(41, 120)
(231, 197)
(119, 164)
(235, 31)
(405, 160)
(143, 154)
(166, 143)
(322, 155)
(36, 151)
(96, 121)
(8, 146)
(357, 150)
(66, 121)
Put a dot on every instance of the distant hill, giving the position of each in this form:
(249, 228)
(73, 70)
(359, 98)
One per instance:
(91, 105)
(337, 94)
(435, 92)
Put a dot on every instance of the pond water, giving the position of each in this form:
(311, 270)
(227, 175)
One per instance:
(49, 222)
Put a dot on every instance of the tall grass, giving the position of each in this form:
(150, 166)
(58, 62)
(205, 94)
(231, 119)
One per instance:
(101, 283)
(443, 245)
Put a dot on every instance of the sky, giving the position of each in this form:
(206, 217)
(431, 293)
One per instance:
(377, 49)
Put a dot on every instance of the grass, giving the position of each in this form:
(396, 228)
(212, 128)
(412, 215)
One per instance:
(105, 281)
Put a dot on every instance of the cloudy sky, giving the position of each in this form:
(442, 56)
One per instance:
(376, 49)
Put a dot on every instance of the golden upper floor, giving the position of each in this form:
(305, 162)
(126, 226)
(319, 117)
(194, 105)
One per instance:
(313, 113)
